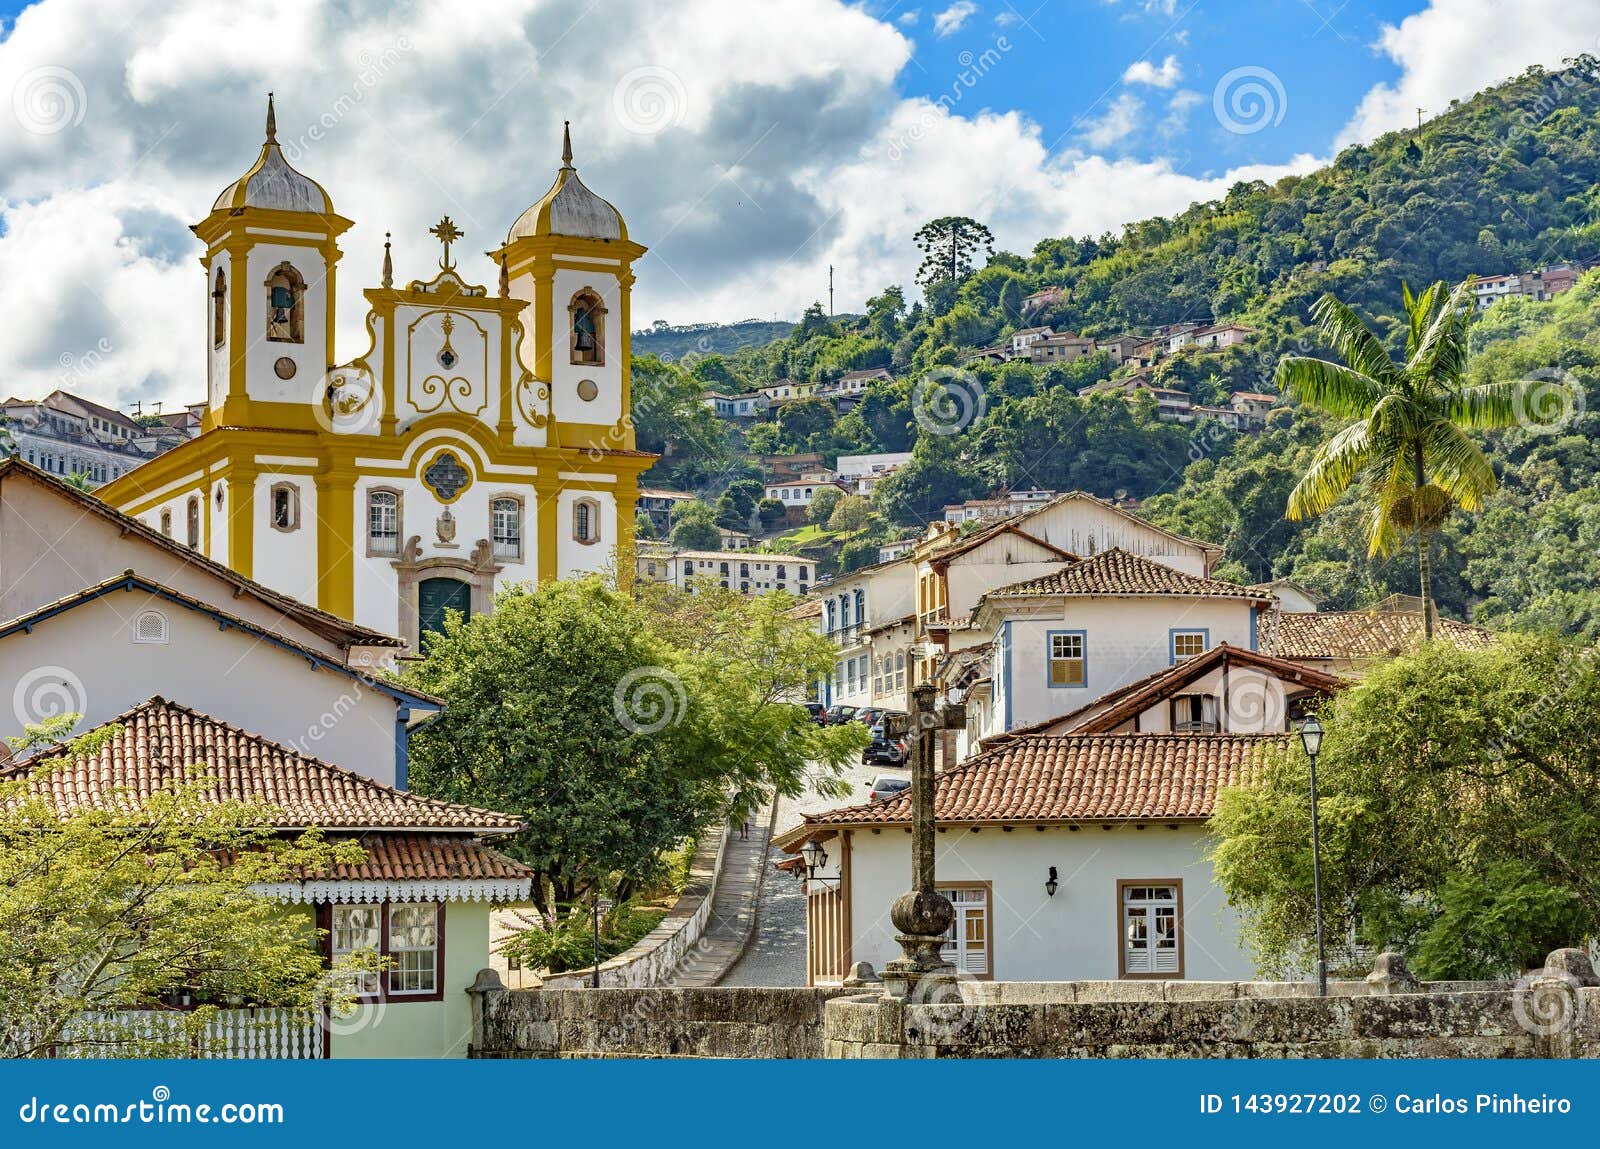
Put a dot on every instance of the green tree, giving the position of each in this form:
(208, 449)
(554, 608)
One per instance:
(849, 514)
(1459, 799)
(772, 512)
(1407, 443)
(694, 527)
(109, 910)
(950, 245)
(823, 503)
(619, 728)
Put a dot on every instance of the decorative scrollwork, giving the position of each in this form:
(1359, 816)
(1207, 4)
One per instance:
(532, 395)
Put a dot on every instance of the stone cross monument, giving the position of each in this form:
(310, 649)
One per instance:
(923, 915)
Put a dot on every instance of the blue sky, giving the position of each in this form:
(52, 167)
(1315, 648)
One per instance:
(750, 147)
(1067, 60)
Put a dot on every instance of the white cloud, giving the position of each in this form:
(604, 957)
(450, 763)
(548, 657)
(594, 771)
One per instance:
(1453, 48)
(909, 18)
(1178, 109)
(951, 20)
(1112, 127)
(1163, 75)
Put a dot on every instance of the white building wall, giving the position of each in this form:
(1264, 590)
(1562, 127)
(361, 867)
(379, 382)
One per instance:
(1075, 934)
(606, 407)
(1086, 528)
(1124, 639)
(86, 659)
(285, 560)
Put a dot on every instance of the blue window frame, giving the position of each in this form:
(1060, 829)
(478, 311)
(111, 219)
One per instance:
(1066, 659)
(1183, 643)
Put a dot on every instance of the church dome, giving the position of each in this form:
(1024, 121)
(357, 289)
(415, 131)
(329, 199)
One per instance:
(569, 208)
(272, 183)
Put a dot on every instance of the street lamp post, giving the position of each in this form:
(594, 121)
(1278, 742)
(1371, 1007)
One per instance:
(1311, 739)
(601, 905)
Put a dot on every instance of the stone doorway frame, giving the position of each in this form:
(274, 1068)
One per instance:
(477, 570)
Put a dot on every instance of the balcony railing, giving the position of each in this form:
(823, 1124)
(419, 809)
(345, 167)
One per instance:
(235, 1034)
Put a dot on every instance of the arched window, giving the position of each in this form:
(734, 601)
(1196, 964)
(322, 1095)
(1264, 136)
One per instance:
(383, 522)
(900, 671)
(194, 522)
(286, 305)
(219, 309)
(166, 523)
(150, 626)
(586, 521)
(506, 513)
(588, 322)
(283, 507)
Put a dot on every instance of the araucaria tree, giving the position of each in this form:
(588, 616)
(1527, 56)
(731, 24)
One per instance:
(950, 245)
(618, 729)
(1406, 445)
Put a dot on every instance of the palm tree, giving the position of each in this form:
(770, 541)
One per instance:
(1407, 443)
(80, 480)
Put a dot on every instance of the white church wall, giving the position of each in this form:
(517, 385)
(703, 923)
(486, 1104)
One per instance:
(606, 407)
(286, 560)
(312, 356)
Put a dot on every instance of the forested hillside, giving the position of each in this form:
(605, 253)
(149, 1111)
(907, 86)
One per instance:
(1506, 182)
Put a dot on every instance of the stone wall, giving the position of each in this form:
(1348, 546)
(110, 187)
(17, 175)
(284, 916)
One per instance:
(1552, 1013)
(653, 958)
(659, 1022)
(1180, 1019)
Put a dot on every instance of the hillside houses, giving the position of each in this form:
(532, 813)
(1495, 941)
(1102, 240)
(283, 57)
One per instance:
(1545, 283)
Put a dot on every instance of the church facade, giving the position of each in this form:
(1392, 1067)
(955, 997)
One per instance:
(482, 438)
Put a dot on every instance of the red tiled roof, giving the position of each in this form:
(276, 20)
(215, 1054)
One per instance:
(162, 743)
(1073, 778)
(1118, 572)
(401, 857)
(1360, 634)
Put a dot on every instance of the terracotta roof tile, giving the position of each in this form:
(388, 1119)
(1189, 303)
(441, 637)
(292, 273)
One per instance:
(1072, 778)
(401, 857)
(1118, 572)
(1359, 634)
(161, 742)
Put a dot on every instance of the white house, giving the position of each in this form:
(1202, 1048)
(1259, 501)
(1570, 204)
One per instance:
(1025, 338)
(1076, 634)
(746, 571)
(1066, 857)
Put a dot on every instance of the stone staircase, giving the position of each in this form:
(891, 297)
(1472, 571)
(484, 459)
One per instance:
(733, 908)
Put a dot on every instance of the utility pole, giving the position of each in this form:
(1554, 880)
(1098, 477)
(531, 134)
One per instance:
(830, 291)
(1420, 112)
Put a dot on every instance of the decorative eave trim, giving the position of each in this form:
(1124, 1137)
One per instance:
(332, 890)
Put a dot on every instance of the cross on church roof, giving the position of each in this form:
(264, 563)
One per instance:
(446, 232)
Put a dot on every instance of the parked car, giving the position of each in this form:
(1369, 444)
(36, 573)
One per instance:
(837, 714)
(875, 715)
(884, 751)
(886, 786)
(818, 712)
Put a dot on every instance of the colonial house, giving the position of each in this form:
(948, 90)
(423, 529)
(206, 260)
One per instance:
(65, 434)
(1066, 857)
(943, 578)
(746, 571)
(1060, 348)
(1024, 338)
(1076, 634)
(54, 538)
(1253, 405)
(796, 495)
(420, 897)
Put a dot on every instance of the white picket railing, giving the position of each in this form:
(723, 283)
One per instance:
(248, 1034)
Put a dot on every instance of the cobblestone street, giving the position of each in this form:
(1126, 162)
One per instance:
(776, 955)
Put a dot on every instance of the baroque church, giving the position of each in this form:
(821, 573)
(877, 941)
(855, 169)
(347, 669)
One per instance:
(481, 439)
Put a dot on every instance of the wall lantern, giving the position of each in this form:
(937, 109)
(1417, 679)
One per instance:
(1050, 883)
(815, 858)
